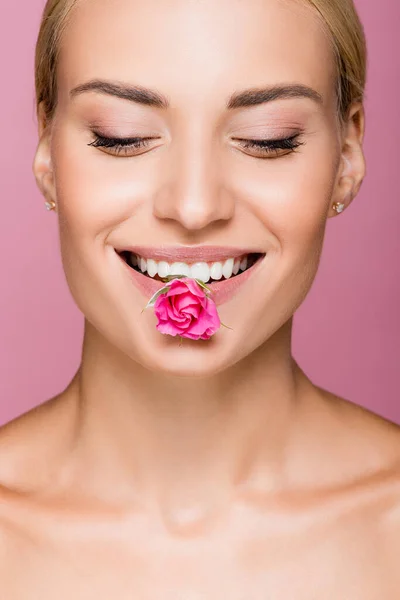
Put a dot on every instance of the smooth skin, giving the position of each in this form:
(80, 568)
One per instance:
(208, 470)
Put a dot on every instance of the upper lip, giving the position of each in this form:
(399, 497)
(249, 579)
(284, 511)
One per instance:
(189, 253)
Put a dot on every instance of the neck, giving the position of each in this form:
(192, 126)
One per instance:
(178, 442)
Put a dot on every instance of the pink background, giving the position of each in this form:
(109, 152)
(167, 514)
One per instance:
(346, 332)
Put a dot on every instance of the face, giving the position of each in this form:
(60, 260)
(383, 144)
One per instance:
(211, 179)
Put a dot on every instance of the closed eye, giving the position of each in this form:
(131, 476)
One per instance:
(121, 146)
(265, 148)
(273, 147)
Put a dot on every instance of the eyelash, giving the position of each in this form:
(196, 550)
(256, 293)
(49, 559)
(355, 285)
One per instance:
(266, 147)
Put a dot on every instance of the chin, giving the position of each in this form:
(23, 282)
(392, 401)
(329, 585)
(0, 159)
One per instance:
(189, 358)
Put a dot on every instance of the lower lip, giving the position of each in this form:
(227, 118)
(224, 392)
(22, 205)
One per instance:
(222, 291)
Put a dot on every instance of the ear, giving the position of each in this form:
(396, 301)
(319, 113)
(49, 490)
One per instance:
(352, 162)
(42, 164)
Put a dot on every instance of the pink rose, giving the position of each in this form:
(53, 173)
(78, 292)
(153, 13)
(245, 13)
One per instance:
(185, 310)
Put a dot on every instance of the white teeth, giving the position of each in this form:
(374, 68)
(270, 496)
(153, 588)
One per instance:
(163, 269)
(216, 271)
(180, 268)
(201, 271)
(152, 267)
(227, 268)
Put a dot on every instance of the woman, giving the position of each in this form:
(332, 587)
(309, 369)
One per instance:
(203, 466)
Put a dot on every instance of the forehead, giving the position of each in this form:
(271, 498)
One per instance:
(195, 49)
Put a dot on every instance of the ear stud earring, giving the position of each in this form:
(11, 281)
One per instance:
(50, 205)
(338, 207)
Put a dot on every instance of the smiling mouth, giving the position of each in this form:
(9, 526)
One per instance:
(209, 272)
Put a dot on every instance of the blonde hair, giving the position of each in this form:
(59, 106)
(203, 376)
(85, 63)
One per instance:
(339, 17)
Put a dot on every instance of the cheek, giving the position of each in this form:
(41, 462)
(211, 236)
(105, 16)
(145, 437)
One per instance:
(95, 194)
(291, 198)
(87, 200)
(95, 191)
(291, 195)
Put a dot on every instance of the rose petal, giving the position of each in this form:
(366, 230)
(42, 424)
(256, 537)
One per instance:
(178, 286)
(202, 324)
(174, 315)
(206, 335)
(162, 310)
(184, 300)
(194, 288)
(190, 336)
(168, 328)
(193, 311)
(160, 307)
(191, 286)
(186, 310)
(212, 311)
(175, 302)
(209, 317)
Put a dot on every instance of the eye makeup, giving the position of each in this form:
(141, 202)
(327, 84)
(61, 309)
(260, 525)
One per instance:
(131, 146)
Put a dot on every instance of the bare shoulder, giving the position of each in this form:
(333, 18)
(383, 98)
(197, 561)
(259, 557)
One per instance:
(355, 454)
(365, 449)
(376, 438)
(29, 448)
(30, 440)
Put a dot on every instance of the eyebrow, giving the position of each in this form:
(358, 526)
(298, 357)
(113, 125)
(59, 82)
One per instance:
(242, 99)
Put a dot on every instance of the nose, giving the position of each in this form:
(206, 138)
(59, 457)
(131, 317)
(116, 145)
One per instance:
(194, 196)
